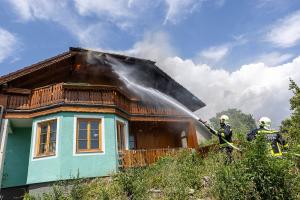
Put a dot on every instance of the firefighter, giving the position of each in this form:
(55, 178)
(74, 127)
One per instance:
(225, 137)
(275, 141)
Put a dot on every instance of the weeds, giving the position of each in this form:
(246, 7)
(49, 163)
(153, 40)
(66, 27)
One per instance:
(253, 175)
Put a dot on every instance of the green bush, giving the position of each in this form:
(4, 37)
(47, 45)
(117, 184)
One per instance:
(253, 175)
(258, 176)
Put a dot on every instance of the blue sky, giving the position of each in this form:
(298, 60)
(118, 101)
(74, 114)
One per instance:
(221, 39)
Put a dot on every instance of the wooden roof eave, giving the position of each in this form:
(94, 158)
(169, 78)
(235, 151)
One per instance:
(35, 67)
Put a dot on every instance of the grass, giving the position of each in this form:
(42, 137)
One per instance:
(253, 175)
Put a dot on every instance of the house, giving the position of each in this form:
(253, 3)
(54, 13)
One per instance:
(74, 115)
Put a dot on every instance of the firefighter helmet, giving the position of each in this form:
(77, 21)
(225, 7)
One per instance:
(224, 119)
(265, 122)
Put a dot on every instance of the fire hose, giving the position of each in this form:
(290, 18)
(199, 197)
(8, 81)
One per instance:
(214, 132)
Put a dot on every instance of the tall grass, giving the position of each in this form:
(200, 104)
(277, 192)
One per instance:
(253, 175)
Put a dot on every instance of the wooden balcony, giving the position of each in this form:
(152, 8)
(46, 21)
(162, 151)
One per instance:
(141, 158)
(85, 95)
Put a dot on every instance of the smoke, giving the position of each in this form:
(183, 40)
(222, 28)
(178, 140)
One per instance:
(255, 88)
(130, 76)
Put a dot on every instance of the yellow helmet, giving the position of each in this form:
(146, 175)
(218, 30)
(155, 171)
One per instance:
(224, 119)
(265, 122)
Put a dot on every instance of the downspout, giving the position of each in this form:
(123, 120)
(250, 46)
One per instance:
(1, 114)
(3, 141)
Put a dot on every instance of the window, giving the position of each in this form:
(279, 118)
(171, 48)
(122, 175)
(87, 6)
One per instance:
(121, 136)
(46, 138)
(88, 137)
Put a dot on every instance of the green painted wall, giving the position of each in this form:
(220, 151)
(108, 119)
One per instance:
(65, 164)
(16, 157)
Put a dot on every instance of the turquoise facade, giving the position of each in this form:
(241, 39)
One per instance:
(16, 158)
(66, 164)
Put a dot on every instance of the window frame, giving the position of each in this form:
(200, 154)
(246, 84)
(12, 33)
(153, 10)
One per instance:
(36, 139)
(122, 126)
(89, 151)
(126, 132)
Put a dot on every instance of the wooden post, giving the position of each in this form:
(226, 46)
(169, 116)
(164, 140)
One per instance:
(192, 137)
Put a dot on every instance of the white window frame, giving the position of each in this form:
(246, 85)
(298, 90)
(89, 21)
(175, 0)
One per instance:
(100, 117)
(35, 132)
(125, 122)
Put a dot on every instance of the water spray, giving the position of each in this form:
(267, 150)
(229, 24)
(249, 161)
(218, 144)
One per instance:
(119, 69)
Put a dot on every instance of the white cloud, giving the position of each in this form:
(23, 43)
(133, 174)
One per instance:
(178, 9)
(39, 9)
(126, 11)
(22, 8)
(116, 8)
(215, 53)
(255, 88)
(58, 11)
(127, 15)
(285, 32)
(153, 46)
(8, 43)
(274, 58)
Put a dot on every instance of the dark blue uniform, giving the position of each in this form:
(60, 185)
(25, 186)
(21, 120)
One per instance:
(275, 140)
(225, 132)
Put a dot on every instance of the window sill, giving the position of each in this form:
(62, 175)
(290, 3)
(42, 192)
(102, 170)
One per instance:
(89, 152)
(44, 156)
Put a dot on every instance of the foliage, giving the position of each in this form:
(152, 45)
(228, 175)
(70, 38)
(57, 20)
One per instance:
(294, 127)
(253, 175)
(258, 176)
(178, 177)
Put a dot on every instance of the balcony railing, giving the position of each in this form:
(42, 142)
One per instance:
(82, 95)
(141, 158)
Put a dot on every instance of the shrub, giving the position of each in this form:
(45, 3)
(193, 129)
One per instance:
(258, 176)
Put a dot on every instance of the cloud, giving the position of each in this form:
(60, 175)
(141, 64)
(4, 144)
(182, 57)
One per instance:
(93, 22)
(8, 43)
(153, 46)
(177, 9)
(39, 9)
(214, 54)
(133, 11)
(285, 32)
(255, 88)
(274, 58)
(59, 11)
(116, 8)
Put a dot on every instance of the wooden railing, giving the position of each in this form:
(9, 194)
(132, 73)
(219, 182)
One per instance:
(141, 158)
(66, 94)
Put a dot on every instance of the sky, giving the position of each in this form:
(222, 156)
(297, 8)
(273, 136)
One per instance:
(229, 53)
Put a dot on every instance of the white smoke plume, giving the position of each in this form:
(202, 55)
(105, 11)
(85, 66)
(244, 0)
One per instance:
(254, 88)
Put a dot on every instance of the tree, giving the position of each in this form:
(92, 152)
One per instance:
(292, 124)
(240, 122)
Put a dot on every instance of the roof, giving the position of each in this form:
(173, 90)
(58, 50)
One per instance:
(34, 67)
(146, 69)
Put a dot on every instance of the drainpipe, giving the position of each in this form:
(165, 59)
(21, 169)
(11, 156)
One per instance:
(3, 141)
(1, 114)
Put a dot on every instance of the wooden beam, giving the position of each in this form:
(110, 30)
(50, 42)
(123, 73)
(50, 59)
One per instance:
(29, 115)
(26, 115)
(14, 90)
(159, 119)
